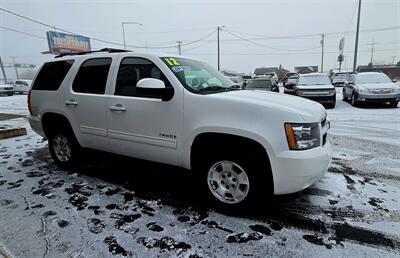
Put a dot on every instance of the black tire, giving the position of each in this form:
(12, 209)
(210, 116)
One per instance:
(344, 98)
(331, 105)
(255, 166)
(394, 104)
(10, 94)
(74, 148)
(353, 100)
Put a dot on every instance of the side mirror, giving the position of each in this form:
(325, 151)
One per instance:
(154, 88)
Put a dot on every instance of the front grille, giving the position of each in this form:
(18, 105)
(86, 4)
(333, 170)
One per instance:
(382, 91)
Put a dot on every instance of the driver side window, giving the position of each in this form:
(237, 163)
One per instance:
(132, 70)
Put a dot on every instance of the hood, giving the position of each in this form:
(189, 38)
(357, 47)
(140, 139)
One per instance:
(375, 86)
(310, 111)
(315, 87)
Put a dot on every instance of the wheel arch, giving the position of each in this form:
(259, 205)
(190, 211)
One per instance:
(215, 139)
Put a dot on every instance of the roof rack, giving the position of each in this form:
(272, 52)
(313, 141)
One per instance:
(109, 50)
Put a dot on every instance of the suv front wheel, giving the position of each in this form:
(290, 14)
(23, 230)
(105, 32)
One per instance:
(236, 179)
(64, 148)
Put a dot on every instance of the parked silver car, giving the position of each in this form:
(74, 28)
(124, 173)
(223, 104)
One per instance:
(371, 87)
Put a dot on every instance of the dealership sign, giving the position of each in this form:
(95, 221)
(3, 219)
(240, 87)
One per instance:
(67, 43)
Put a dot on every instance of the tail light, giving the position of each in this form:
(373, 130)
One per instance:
(29, 102)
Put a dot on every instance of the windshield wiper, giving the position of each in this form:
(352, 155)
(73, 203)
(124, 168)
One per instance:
(213, 88)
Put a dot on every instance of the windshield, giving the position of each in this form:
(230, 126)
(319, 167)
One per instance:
(372, 78)
(198, 76)
(259, 84)
(314, 80)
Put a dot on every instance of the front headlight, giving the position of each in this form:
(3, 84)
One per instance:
(362, 90)
(302, 136)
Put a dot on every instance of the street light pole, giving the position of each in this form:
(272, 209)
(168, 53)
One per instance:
(179, 47)
(322, 54)
(357, 32)
(123, 29)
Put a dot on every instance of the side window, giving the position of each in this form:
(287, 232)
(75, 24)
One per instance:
(92, 76)
(132, 70)
(52, 75)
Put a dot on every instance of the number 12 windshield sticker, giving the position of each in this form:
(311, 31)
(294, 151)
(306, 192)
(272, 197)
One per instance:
(175, 65)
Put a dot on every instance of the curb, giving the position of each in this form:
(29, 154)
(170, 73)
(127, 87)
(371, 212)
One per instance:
(13, 132)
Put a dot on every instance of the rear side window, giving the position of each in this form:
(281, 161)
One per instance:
(92, 76)
(51, 75)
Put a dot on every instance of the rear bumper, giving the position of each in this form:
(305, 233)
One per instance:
(294, 171)
(36, 125)
(339, 84)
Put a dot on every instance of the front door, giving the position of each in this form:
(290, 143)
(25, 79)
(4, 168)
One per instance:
(143, 126)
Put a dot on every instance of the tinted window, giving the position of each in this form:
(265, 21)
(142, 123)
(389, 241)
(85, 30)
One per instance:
(51, 75)
(131, 71)
(92, 76)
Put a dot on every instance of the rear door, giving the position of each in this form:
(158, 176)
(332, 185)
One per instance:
(85, 102)
(146, 127)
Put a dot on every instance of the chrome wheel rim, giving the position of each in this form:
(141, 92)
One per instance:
(62, 148)
(228, 182)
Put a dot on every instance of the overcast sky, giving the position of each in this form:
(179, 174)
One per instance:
(165, 22)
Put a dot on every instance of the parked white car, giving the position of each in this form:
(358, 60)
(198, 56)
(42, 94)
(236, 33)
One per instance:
(22, 86)
(6, 89)
(180, 111)
(367, 87)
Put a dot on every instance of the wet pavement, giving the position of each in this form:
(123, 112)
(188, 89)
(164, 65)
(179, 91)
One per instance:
(114, 206)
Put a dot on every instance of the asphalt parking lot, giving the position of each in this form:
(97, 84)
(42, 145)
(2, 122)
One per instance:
(114, 206)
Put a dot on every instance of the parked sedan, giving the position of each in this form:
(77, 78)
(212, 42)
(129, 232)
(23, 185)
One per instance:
(371, 87)
(287, 76)
(290, 84)
(339, 79)
(262, 84)
(317, 87)
(6, 89)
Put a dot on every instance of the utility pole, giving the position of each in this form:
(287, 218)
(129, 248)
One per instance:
(357, 32)
(179, 47)
(3, 71)
(393, 58)
(372, 50)
(322, 56)
(218, 28)
(15, 68)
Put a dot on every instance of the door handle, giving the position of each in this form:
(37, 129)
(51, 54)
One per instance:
(71, 102)
(118, 107)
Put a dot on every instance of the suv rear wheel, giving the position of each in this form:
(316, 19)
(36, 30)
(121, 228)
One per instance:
(235, 179)
(64, 148)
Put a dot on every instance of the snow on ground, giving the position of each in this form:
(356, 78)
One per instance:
(115, 206)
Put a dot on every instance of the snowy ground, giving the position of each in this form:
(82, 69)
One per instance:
(115, 206)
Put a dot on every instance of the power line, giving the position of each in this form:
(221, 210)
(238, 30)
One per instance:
(22, 32)
(266, 46)
(95, 39)
(291, 53)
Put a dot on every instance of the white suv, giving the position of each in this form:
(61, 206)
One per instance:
(182, 112)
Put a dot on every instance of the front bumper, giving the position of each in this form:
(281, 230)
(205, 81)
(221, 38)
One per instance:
(289, 91)
(4, 92)
(294, 171)
(368, 97)
(321, 99)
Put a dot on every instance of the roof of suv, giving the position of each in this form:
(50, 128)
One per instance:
(312, 74)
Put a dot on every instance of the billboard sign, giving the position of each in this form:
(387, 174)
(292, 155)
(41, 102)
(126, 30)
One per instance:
(67, 43)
